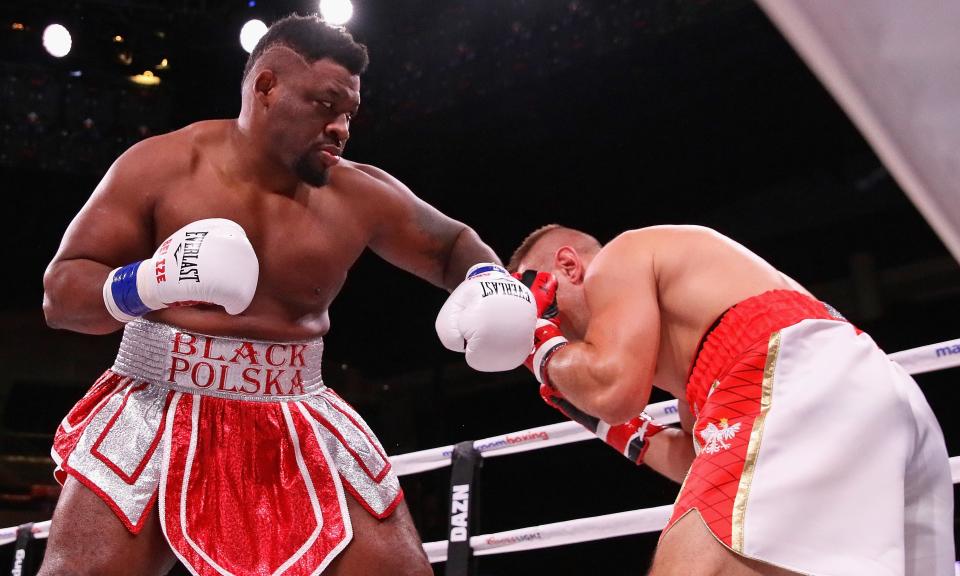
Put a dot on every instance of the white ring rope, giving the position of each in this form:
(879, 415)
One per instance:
(939, 356)
(522, 441)
(579, 530)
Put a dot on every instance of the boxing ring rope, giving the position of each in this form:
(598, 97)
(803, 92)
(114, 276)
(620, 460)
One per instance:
(938, 356)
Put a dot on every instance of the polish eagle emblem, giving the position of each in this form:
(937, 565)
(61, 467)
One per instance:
(716, 436)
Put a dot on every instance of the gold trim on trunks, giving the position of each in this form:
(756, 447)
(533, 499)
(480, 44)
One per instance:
(753, 449)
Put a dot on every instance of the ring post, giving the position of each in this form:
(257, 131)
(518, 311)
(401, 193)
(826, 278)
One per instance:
(22, 564)
(465, 466)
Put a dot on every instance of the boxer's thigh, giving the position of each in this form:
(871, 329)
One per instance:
(385, 547)
(690, 549)
(86, 537)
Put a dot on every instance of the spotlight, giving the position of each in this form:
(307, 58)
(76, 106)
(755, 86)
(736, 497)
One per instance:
(57, 41)
(336, 12)
(147, 78)
(251, 33)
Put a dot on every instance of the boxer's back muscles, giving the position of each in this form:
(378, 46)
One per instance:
(306, 238)
(699, 275)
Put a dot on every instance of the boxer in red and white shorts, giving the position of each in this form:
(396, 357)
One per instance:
(227, 450)
(803, 448)
(809, 438)
(209, 428)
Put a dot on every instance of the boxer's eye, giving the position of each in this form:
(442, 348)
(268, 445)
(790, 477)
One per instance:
(325, 103)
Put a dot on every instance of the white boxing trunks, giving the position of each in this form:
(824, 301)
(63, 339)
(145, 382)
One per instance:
(244, 448)
(815, 452)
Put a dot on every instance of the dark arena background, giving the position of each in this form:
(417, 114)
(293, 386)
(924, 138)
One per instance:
(507, 115)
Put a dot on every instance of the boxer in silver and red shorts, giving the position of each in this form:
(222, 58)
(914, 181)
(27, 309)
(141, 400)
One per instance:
(208, 428)
(229, 450)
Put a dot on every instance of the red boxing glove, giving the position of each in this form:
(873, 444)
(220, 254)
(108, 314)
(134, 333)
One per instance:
(629, 438)
(543, 286)
(547, 337)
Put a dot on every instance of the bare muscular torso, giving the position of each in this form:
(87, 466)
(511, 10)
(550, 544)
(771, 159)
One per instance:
(305, 242)
(699, 275)
(306, 237)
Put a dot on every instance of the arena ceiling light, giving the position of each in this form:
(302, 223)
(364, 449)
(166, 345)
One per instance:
(251, 33)
(336, 12)
(147, 78)
(57, 40)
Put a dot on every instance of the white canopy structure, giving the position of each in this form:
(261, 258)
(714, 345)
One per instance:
(894, 67)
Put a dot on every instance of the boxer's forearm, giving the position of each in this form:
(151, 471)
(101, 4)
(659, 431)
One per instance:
(670, 453)
(595, 383)
(73, 297)
(467, 249)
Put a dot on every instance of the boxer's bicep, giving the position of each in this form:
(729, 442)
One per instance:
(115, 225)
(113, 228)
(420, 239)
(624, 327)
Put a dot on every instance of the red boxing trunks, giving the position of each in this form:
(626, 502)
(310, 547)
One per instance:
(815, 452)
(246, 448)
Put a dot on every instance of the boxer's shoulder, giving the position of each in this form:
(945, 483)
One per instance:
(668, 233)
(167, 156)
(663, 245)
(365, 176)
(628, 248)
(375, 189)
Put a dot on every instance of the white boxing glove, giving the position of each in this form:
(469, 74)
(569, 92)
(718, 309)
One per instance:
(491, 317)
(208, 261)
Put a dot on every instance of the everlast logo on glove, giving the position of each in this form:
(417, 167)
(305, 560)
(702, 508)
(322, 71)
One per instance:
(505, 288)
(189, 251)
(237, 367)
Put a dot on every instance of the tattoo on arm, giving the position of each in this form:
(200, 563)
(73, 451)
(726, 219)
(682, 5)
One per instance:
(440, 234)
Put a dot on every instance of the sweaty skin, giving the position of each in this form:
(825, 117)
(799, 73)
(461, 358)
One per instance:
(635, 311)
(277, 171)
(306, 237)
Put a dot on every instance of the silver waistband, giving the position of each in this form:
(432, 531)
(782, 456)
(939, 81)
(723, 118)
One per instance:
(217, 366)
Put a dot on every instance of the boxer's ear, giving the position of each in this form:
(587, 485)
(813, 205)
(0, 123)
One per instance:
(264, 86)
(569, 265)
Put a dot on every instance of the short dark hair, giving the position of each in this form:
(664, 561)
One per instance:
(313, 39)
(521, 252)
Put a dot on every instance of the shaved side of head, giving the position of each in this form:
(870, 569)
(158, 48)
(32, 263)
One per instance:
(280, 59)
(538, 249)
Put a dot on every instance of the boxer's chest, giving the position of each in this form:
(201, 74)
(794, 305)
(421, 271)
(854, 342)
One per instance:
(305, 243)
